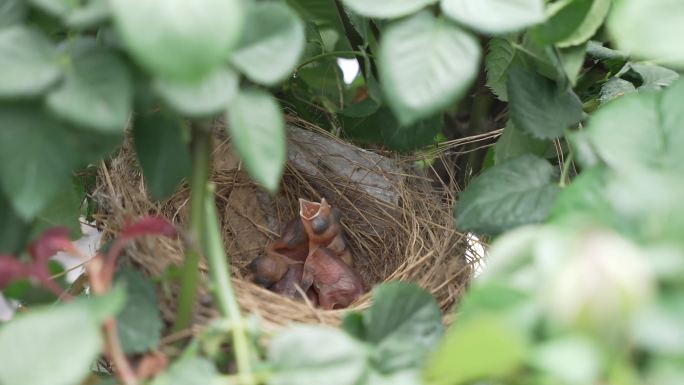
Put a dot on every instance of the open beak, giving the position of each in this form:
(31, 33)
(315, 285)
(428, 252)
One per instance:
(307, 209)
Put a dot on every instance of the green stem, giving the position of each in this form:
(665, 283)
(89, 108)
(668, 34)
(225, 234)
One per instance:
(201, 151)
(566, 170)
(219, 271)
(324, 55)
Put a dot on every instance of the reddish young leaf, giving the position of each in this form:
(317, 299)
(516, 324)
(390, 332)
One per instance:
(50, 242)
(10, 270)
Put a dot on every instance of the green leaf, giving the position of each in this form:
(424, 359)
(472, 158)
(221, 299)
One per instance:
(316, 355)
(572, 59)
(497, 63)
(62, 341)
(36, 157)
(517, 192)
(615, 88)
(179, 39)
(387, 9)
(585, 198)
(495, 16)
(97, 91)
(539, 106)
(139, 324)
(404, 323)
(591, 23)
(563, 19)
(571, 359)
(28, 62)
(12, 12)
(514, 143)
(477, 348)
(14, 236)
(426, 65)
(258, 133)
(659, 29)
(271, 45)
(203, 98)
(653, 77)
(189, 371)
(406, 138)
(63, 211)
(641, 131)
(75, 14)
(162, 152)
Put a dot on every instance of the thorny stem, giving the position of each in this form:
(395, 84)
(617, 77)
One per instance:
(223, 289)
(201, 151)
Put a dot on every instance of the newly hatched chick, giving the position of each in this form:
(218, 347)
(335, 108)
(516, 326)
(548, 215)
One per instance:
(265, 270)
(336, 283)
(293, 242)
(287, 286)
(322, 226)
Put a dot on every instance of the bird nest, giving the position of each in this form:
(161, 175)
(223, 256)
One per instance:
(398, 223)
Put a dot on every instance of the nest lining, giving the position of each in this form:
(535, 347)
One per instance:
(404, 232)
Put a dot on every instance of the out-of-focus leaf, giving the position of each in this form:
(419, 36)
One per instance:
(591, 23)
(641, 131)
(63, 211)
(28, 62)
(426, 65)
(387, 9)
(211, 95)
(179, 39)
(575, 360)
(299, 356)
(260, 142)
(97, 92)
(659, 29)
(495, 16)
(572, 59)
(653, 77)
(517, 192)
(615, 88)
(563, 19)
(271, 44)
(12, 12)
(477, 348)
(189, 371)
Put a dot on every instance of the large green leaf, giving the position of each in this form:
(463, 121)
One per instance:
(495, 16)
(316, 355)
(77, 14)
(97, 91)
(271, 44)
(497, 63)
(591, 23)
(539, 106)
(209, 96)
(514, 143)
(657, 36)
(28, 62)
(517, 192)
(572, 59)
(426, 65)
(564, 18)
(12, 12)
(13, 237)
(642, 131)
(63, 210)
(162, 152)
(36, 157)
(179, 39)
(481, 347)
(139, 323)
(404, 323)
(386, 9)
(61, 341)
(257, 128)
(614, 88)
(189, 371)
(653, 77)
